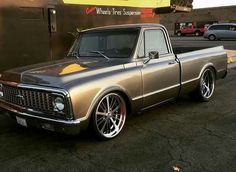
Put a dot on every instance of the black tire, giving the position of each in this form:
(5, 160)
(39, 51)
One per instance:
(206, 86)
(179, 34)
(212, 37)
(109, 116)
(197, 33)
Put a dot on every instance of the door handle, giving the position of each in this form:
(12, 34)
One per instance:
(172, 62)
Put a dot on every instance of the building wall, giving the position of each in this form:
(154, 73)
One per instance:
(42, 30)
(69, 18)
(219, 14)
(24, 37)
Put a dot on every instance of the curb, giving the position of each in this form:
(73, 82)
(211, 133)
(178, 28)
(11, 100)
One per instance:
(231, 55)
(231, 62)
(231, 59)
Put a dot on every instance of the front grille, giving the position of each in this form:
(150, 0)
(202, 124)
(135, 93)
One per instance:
(31, 99)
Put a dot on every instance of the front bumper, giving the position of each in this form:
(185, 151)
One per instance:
(71, 127)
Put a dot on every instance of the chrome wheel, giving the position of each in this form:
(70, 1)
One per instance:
(207, 84)
(110, 115)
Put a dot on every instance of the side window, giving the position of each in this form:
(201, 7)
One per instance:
(141, 50)
(233, 28)
(213, 28)
(155, 41)
(223, 27)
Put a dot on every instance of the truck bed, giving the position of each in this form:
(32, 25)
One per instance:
(180, 50)
(192, 63)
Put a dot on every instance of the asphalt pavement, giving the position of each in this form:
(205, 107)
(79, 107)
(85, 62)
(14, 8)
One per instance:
(201, 42)
(193, 136)
(188, 135)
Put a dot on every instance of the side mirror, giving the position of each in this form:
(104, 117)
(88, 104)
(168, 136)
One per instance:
(153, 55)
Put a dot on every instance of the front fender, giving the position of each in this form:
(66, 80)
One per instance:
(102, 93)
(85, 95)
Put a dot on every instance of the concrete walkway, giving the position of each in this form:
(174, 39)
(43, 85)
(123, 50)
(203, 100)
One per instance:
(231, 55)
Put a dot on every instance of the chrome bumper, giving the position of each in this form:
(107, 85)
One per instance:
(71, 127)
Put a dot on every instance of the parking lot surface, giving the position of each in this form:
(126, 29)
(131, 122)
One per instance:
(193, 136)
(188, 41)
(187, 134)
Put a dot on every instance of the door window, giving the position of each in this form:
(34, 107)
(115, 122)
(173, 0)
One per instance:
(233, 28)
(220, 27)
(155, 41)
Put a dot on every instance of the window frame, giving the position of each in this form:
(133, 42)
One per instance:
(142, 41)
(220, 27)
(77, 43)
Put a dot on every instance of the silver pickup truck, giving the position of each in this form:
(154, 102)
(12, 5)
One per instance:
(109, 72)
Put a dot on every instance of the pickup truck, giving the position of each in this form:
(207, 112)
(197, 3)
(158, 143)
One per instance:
(109, 73)
(191, 30)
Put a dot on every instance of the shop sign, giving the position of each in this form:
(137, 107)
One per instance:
(116, 11)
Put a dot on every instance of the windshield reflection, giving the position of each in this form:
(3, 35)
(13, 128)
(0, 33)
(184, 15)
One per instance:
(108, 43)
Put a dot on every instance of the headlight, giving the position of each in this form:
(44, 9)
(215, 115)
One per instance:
(1, 90)
(59, 104)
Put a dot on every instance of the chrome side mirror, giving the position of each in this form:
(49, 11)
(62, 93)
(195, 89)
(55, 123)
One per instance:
(152, 55)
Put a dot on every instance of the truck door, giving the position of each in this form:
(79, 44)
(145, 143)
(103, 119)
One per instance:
(161, 76)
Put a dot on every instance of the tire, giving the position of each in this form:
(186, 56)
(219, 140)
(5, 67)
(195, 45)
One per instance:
(206, 86)
(197, 33)
(109, 116)
(179, 34)
(212, 37)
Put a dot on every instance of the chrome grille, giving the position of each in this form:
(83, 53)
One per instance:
(32, 99)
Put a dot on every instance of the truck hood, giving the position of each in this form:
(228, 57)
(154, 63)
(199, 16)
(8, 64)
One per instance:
(61, 72)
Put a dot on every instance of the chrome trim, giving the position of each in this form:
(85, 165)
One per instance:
(71, 122)
(1, 91)
(136, 98)
(161, 90)
(56, 91)
(43, 88)
(14, 84)
(191, 80)
(155, 92)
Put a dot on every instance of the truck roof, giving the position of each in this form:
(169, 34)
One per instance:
(125, 26)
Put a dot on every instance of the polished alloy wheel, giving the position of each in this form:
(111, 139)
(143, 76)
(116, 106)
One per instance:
(110, 115)
(207, 84)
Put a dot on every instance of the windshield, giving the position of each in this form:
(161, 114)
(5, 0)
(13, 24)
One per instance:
(107, 43)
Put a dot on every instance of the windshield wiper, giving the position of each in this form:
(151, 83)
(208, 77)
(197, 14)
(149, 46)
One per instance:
(101, 53)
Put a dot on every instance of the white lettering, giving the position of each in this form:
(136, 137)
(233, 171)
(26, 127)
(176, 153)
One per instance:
(131, 13)
(103, 12)
(115, 12)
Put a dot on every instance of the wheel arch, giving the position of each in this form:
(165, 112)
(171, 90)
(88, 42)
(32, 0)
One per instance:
(197, 93)
(212, 34)
(116, 89)
(208, 65)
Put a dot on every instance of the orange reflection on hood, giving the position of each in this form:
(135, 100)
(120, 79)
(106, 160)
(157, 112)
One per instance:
(71, 69)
